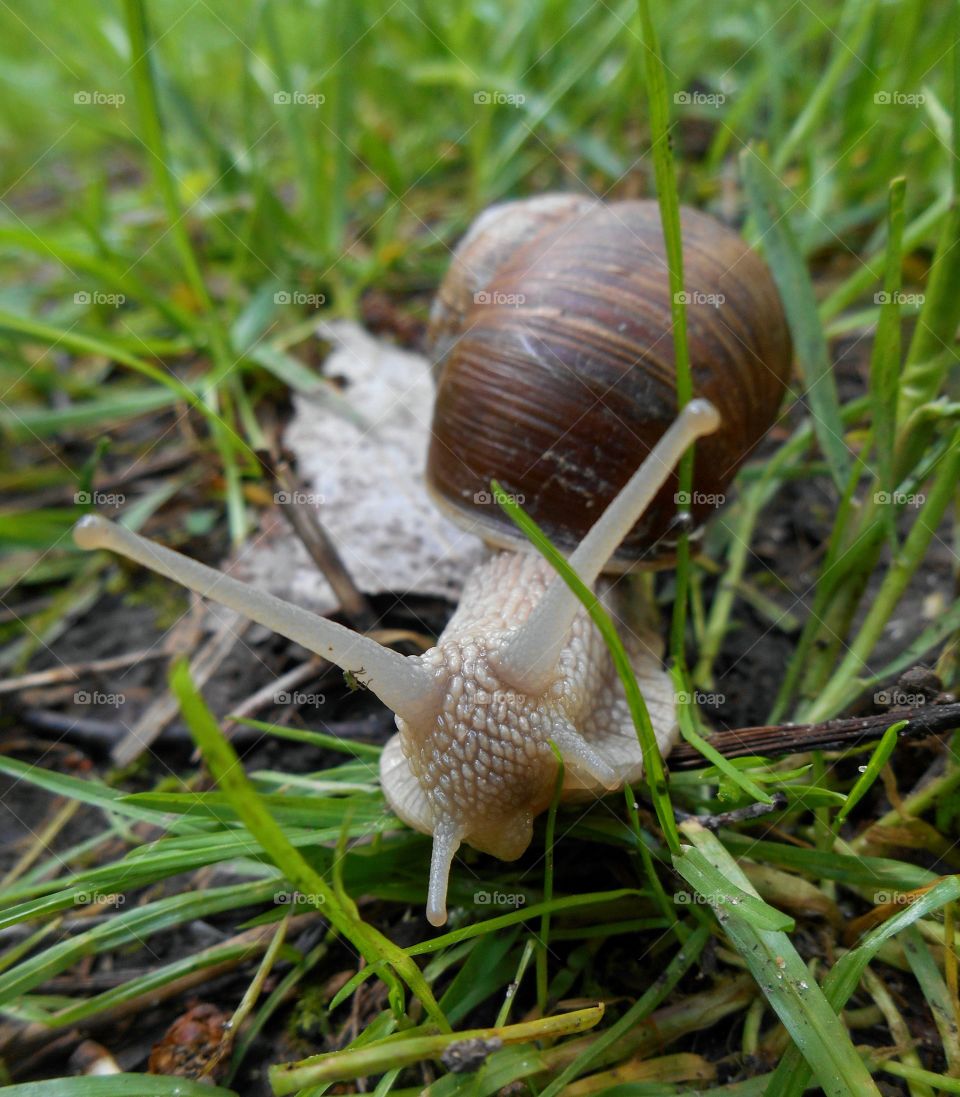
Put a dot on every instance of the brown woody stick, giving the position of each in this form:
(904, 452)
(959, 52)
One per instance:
(777, 739)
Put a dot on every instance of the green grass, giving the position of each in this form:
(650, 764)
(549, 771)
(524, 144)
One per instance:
(184, 191)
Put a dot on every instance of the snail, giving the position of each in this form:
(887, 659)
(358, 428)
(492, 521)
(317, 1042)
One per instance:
(552, 347)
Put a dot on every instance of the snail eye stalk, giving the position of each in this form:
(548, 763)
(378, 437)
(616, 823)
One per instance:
(398, 680)
(528, 661)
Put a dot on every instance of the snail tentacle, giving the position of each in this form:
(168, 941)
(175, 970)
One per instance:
(583, 758)
(398, 680)
(447, 835)
(529, 659)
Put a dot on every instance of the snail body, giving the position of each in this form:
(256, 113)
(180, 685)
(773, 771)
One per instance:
(556, 379)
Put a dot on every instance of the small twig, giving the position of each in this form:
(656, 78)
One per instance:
(63, 813)
(266, 695)
(56, 675)
(841, 734)
(164, 709)
(317, 542)
(83, 730)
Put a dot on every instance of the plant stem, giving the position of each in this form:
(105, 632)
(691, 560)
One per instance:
(843, 686)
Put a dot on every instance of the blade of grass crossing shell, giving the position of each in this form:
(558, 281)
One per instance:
(652, 759)
(225, 766)
(666, 178)
(779, 971)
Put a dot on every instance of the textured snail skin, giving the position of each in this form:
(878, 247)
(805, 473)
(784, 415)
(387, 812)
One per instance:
(563, 374)
(483, 767)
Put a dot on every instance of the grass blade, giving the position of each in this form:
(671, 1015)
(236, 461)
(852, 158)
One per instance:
(340, 1066)
(644, 1005)
(789, 270)
(652, 759)
(226, 768)
(791, 1077)
(885, 359)
(119, 1085)
(878, 759)
(783, 977)
(666, 178)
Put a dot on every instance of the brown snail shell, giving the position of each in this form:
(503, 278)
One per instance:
(557, 370)
(490, 241)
